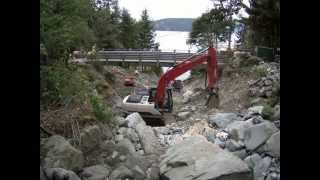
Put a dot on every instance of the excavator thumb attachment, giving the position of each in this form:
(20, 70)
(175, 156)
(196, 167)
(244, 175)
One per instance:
(213, 99)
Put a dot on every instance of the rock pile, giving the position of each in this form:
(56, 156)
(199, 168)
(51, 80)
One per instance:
(196, 158)
(251, 138)
(267, 85)
(131, 153)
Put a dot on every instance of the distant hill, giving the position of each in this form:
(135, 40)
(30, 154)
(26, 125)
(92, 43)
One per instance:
(173, 24)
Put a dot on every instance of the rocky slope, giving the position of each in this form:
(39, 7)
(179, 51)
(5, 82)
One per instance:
(240, 140)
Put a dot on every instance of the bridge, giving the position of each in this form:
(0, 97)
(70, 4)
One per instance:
(147, 58)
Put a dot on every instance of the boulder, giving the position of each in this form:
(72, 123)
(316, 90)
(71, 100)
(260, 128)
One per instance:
(97, 172)
(60, 174)
(138, 173)
(220, 143)
(125, 146)
(277, 124)
(273, 176)
(122, 158)
(237, 128)
(222, 120)
(161, 130)
(253, 160)
(210, 134)
(106, 132)
(118, 138)
(261, 167)
(147, 138)
(257, 134)
(61, 154)
(90, 137)
(196, 158)
(233, 145)
(134, 119)
(268, 82)
(153, 172)
(240, 153)
(276, 115)
(122, 172)
(272, 146)
(130, 134)
(183, 115)
(121, 121)
(255, 110)
(42, 176)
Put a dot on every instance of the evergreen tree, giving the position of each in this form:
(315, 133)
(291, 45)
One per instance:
(64, 27)
(128, 30)
(145, 32)
(263, 22)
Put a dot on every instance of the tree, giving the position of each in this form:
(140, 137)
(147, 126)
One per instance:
(208, 29)
(64, 27)
(229, 8)
(128, 30)
(145, 32)
(264, 22)
(104, 22)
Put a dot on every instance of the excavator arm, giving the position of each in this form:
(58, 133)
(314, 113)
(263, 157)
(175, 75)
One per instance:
(208, 56)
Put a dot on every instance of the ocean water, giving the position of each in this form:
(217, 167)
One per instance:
(177, 40)
(174, 40)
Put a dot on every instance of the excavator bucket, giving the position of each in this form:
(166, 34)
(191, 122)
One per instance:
(213, 100)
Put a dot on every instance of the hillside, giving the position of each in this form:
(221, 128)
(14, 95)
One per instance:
(173, 24)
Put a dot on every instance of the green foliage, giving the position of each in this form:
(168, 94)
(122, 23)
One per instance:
(267, 112)
(209, 28)
(248, 62)
(261, 71)
(109, 76)
(264, 22)
(128, 30)
(64, 27)
(104, 24)
(145, 32)
(68, 25)
(61, 85)
(98, 66)
(102, 112)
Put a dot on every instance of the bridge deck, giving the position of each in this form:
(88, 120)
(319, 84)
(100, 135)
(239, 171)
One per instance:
(144, 57)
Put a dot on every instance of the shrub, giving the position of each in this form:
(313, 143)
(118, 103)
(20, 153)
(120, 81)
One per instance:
(97, 66)
(267, 112)
(62, 85)
(108, 76)
(261, 71)
(250, 61)
(100, 110)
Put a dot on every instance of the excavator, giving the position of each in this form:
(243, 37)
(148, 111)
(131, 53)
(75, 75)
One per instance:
(155, 101)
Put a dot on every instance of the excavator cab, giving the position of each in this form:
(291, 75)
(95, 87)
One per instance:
(168, 102)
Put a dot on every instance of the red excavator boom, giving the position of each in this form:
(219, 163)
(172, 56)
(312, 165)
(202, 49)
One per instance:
(188, 64)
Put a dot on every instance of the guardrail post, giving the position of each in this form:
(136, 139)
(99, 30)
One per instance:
(140, 63)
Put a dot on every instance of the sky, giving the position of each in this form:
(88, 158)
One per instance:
(159, 9)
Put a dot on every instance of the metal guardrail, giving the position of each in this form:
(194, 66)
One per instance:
(147, 55)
